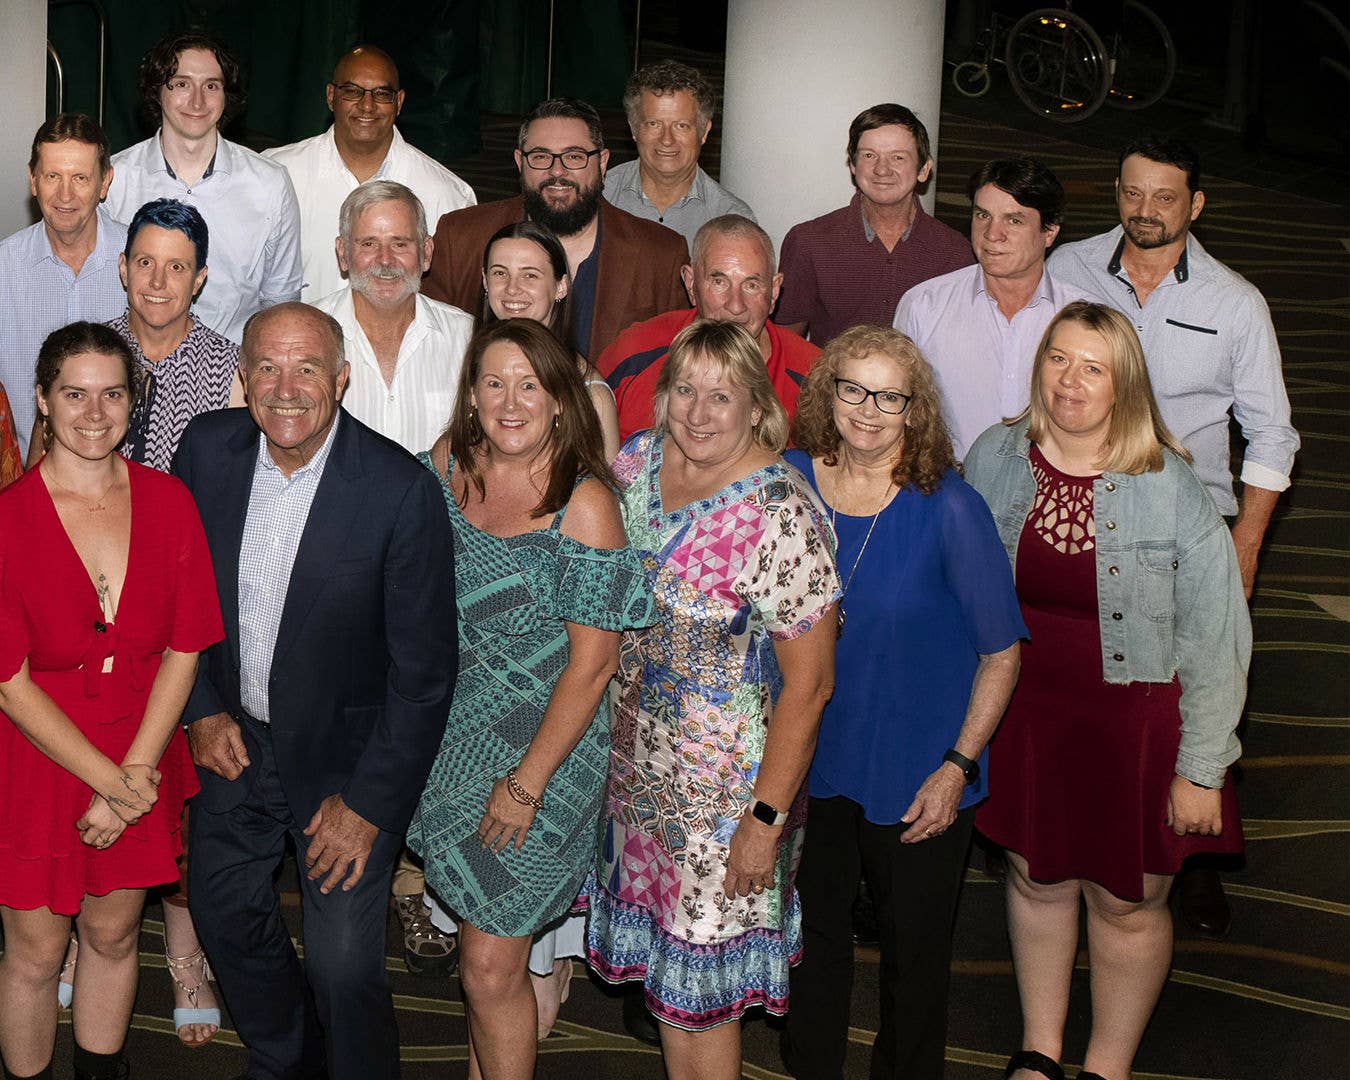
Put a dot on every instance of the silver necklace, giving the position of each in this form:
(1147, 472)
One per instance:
(839, 630)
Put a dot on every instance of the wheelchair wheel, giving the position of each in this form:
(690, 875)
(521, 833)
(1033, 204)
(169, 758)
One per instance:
(1145, 59)
(1057, 65)
(972, 78)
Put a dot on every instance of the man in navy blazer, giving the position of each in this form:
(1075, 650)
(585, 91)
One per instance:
(319, 715)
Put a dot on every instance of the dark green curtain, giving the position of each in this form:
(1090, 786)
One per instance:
(455, 58)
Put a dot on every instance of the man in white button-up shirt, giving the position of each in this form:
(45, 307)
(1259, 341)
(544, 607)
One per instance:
(363, 144)
(190, 84)
(405, 350)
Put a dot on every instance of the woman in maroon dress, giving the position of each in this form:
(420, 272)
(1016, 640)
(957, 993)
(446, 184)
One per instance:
(1111, 765)
(106, 598)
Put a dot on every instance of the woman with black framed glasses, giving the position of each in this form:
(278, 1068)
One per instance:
(929, 638)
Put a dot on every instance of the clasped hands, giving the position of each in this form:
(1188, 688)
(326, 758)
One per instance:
(110, 812)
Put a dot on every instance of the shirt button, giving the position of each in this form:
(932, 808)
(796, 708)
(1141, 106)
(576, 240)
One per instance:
(1114, 571)
(1110, 486)
(1118, 657)
(1110, 524)
(391, 399)
(1117, 616)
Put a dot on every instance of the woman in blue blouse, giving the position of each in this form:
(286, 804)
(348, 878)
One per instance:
(927, 659)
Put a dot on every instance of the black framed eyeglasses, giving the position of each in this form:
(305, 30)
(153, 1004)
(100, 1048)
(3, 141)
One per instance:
(572, 160)
(891, 402)
(383, 95)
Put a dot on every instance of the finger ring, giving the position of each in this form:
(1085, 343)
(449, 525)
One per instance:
(759, 888)
(931, 832)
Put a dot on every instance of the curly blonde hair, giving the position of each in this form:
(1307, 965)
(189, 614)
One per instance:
(926, 448)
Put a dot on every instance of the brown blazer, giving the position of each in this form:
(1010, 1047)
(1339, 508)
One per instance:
(638, 275)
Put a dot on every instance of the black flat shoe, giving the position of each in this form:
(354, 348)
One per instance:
(1085, 1075)
(1036, 1062)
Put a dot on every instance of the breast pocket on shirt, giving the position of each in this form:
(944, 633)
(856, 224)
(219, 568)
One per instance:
(1193, 355)
(1157, 577)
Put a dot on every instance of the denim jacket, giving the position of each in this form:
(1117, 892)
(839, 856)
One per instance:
(1169, 594)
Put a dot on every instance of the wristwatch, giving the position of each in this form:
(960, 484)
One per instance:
(970, 768)
(770, 815)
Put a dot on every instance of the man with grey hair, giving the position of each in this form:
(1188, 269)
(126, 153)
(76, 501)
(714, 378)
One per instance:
(362, 144)
(670, 112)
(405, 350)
(731, 278)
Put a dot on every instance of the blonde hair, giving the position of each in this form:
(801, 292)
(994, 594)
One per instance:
(733, 350)
(926, 449)
(1136, 434)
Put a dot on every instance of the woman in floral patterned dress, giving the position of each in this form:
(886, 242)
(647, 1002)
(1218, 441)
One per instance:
(715, 707)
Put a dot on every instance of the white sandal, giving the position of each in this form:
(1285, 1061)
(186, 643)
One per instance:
(194, 962)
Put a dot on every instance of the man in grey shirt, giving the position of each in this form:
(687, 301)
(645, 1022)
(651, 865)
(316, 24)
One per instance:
(670, 109)
(1206, 332)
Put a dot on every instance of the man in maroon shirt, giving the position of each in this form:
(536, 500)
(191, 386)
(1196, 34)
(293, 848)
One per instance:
(851, 266)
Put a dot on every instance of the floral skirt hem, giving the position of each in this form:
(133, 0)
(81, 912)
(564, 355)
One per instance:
(689, 986)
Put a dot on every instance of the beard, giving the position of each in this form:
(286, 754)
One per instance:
(363, 281)
(1145, 238)
(569, 220)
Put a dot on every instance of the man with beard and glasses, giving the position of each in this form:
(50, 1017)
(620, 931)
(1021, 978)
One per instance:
(1211, 353)
(365, 99)
(405, 351)
(624, 269)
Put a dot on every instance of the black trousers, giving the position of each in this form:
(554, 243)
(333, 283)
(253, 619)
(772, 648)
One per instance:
(332, 1017)
(915, 889)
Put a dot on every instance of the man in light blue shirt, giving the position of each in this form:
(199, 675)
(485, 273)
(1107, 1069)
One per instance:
(63, 268)
(670, 109)
(979, 326)
(1206, 332)
(190, 83)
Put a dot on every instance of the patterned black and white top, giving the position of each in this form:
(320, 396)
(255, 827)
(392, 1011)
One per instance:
(193, 379)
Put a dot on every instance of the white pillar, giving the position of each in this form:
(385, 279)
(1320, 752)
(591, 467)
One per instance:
(23, 89)
(798, 72)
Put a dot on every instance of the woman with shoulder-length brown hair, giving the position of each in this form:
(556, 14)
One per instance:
(715, 705)
(927, 656)
(544, 581)
(1111, 766)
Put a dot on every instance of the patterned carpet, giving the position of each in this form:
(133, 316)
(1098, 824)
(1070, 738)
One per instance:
(1273, 1000)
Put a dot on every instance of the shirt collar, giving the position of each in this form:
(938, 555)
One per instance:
(313, 465)
(381, 173)
(40, 248)
(211, 165)
(870, 233)
(1044, 288)
(1181, 272)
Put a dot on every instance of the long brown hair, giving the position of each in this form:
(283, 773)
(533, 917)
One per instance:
(926, 448)
(1136, 434)
(575, 442)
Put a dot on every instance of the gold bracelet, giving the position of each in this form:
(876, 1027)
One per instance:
(519, 793)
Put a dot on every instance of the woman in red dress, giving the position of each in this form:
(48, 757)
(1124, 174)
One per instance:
(106, 598)
(1112, 763)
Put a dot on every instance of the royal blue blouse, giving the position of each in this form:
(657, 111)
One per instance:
(932, 591)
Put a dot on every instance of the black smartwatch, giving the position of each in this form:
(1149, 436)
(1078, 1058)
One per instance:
(971, 769)
(770, 815)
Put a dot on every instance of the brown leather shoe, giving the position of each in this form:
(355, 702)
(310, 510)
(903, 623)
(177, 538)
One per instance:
(1204, 907)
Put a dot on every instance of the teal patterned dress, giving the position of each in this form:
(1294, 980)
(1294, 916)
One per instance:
(514, 595)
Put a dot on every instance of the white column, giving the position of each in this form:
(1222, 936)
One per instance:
(798, 72)
(23, 89)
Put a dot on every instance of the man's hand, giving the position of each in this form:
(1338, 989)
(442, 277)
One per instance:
(1194, 809)
(751, 856)
(1248, 549)
(934, 807)
(340, 840)
(218, 746)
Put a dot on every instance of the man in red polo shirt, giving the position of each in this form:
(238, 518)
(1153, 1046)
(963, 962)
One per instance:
(851, 266)
(731, 279)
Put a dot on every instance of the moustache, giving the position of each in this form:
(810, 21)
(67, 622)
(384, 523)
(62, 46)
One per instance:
(1146, 221)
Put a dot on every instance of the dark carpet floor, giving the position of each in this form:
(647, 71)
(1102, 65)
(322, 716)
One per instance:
(1270, 1002)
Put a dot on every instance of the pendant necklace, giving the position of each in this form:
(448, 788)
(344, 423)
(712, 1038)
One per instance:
(839, 630)
(98, 503)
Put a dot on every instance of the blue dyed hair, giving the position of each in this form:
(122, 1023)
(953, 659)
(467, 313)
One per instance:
(171, 214)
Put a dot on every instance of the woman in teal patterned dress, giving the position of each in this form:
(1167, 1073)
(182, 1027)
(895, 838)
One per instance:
(715, 707)
(544, 582)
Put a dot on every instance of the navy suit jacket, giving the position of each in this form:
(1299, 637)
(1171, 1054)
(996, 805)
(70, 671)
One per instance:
(366, 652)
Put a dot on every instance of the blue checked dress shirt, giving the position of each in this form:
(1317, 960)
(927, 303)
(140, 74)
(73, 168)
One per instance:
(278, 508)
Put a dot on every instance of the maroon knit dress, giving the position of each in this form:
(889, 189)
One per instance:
(1079, 770)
